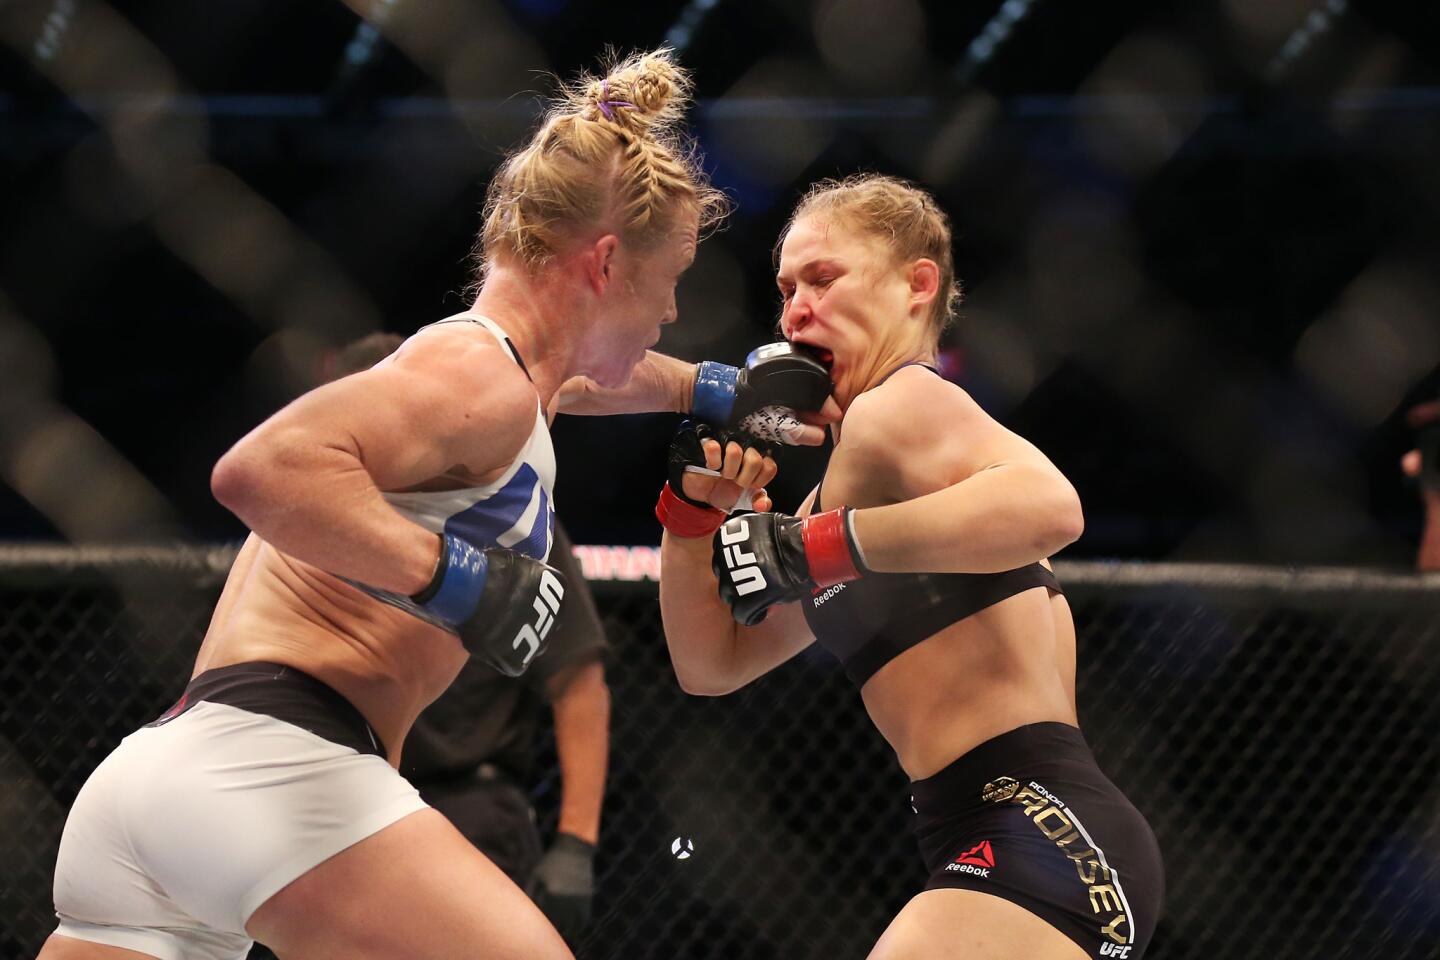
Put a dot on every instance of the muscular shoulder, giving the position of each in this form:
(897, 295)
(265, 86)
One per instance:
(461, 350)
(913, 406)
(475, 391)
(905, 431)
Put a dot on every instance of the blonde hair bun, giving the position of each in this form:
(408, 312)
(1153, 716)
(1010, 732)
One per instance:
(611, 153)
(641, 92)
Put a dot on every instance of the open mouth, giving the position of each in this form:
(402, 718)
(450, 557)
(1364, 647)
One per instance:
(826, 357)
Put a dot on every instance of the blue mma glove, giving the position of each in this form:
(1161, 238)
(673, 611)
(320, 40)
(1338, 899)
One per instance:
(779, 380)
(501, 604)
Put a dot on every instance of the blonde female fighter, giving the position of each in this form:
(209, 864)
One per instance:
(401, 520)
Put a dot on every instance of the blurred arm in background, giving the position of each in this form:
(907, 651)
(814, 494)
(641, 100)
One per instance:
(1421, 464)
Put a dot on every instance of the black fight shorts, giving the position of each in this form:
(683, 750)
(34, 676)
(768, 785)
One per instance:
(1029, 817)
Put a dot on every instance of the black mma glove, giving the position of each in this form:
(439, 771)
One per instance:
(686, 451)
(779, 381)
(762, 559)
(501, 604)
(564, 885)
(679, 513)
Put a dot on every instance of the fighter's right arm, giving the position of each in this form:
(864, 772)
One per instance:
(308, 479)
(712, 654)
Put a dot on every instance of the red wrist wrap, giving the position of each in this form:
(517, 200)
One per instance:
(685, 519)
(827, 548)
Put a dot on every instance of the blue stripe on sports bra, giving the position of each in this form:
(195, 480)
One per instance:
(537, 542)
(484, 522)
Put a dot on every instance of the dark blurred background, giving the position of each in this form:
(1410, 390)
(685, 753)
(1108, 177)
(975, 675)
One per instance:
(1198, 239)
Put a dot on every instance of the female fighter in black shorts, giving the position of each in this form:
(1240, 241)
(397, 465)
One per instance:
(920, 562)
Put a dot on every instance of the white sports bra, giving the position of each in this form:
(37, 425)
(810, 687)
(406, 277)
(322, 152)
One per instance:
(517, 510)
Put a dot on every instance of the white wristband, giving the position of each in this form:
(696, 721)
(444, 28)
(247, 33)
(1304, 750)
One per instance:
(855, 540)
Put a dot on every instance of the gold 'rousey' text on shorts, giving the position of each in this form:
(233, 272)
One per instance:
(1060, 825)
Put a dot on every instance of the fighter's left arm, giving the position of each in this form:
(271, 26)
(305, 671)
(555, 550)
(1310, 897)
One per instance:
(660, 384)
(780, 395)
(1003, 505)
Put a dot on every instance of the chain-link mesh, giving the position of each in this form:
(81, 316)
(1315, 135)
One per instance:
(1277, 729)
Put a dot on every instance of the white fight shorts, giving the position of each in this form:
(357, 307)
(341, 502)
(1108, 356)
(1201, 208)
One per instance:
(194, 822)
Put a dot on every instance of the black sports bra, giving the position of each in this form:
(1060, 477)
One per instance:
(866, 623)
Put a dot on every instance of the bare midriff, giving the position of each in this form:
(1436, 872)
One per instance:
(1009, 665)
(277, 609)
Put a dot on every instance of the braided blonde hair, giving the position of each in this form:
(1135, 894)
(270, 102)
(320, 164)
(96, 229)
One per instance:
(904, 217)
(610, 152)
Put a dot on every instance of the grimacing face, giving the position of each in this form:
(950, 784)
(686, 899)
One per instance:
(843, 295)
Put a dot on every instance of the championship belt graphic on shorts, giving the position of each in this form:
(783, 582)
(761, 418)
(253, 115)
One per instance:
(999, 790)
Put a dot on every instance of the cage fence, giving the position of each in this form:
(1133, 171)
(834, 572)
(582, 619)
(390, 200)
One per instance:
(1277, 728)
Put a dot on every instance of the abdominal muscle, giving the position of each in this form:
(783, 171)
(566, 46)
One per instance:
(1009, 665)
(277, 609)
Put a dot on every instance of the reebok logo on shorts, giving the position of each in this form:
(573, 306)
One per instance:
(978, 860)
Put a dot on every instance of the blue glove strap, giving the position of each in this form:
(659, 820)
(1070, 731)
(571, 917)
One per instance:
(714, 395)
(461, 582)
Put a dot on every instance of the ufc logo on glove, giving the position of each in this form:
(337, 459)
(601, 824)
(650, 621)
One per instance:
(763, 559)
(547, 608)
(743, 572)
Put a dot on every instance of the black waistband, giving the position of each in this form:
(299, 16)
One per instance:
(284, 693)
(1024, 750)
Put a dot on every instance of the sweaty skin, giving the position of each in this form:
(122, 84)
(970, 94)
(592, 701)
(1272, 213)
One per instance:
(341, 444)
(1010, 664)
(308, 481)
(938, 486)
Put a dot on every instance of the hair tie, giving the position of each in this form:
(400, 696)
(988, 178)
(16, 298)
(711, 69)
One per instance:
(608, 106)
